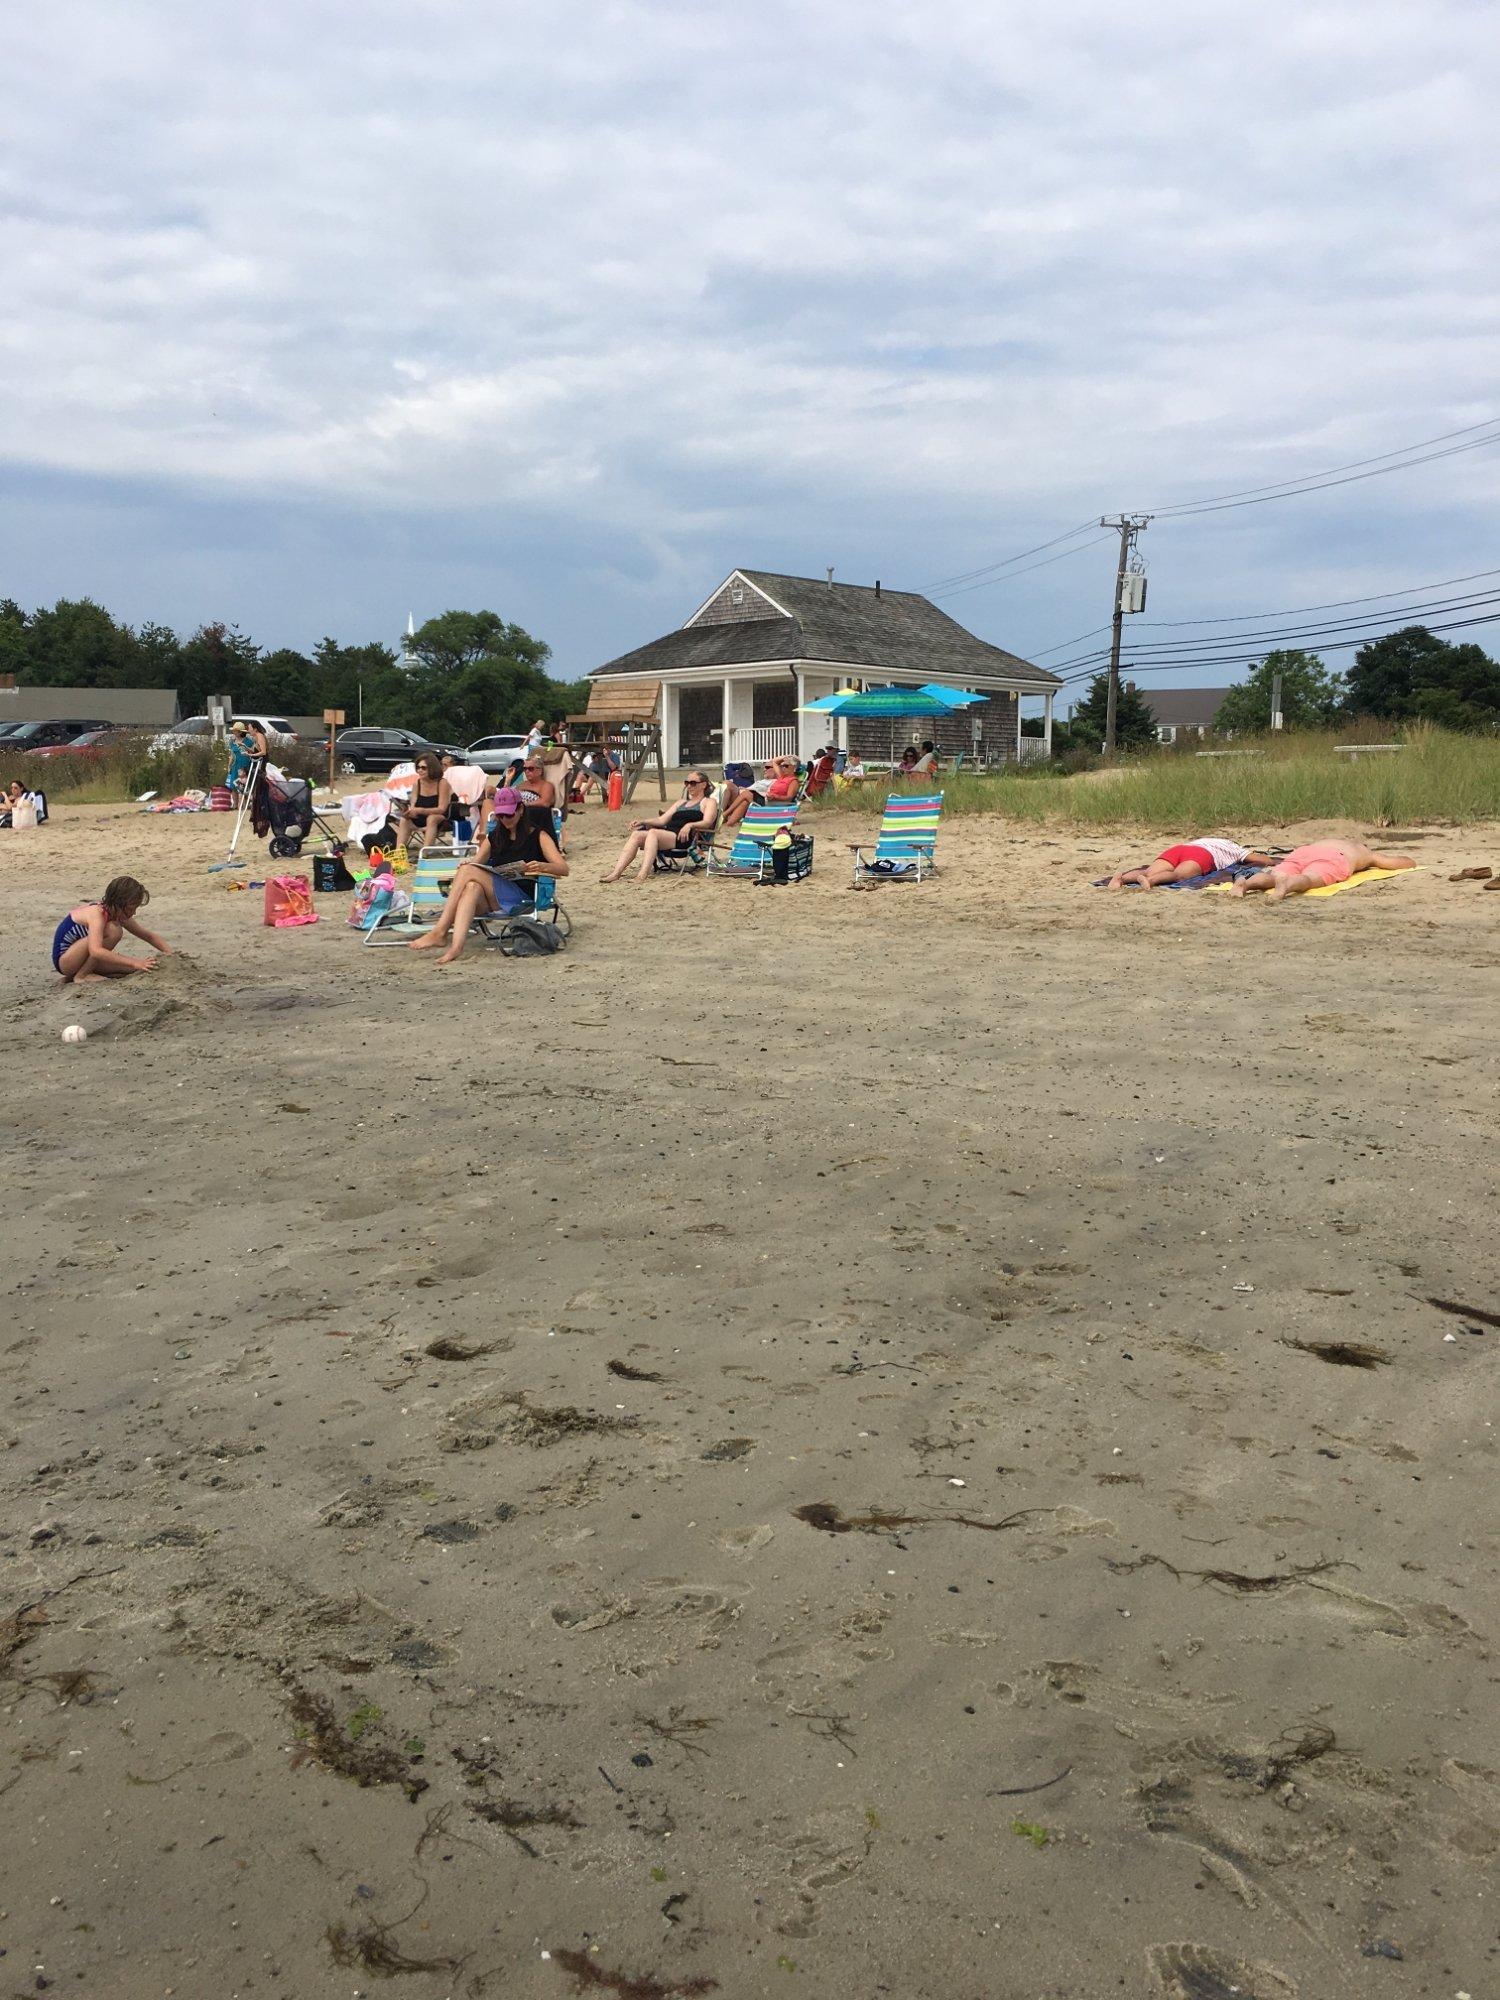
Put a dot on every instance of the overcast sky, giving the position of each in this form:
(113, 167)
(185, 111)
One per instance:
(318, 313)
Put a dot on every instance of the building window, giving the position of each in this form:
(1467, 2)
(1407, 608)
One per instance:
(1168, 735)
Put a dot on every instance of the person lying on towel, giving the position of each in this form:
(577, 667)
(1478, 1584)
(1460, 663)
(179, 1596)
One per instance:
(514, 849)
(1321, 865)
(1184, 863)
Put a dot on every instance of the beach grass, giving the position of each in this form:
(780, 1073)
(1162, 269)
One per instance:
(1436, 777)
(124, 770)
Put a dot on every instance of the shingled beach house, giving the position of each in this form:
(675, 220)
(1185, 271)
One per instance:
(732, 683)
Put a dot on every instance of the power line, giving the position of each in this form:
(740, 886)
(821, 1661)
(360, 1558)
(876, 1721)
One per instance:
(1251, 494)
(1092, 671)
(947, 583)
(1298, 610)
(1261, 641)
(985, 583)
(1399, 460)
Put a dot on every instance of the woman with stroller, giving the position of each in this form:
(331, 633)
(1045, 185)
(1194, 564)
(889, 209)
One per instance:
(515, 849)
(694, 815)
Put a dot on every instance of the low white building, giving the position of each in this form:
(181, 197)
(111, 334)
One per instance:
(736, 676)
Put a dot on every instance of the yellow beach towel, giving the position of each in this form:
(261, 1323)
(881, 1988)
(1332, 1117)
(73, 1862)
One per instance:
(1365, 875)
(1334, 888)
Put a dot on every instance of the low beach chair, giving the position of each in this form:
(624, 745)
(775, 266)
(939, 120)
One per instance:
(906, 846)
(428, 890)
(750, 850)
(543, 905)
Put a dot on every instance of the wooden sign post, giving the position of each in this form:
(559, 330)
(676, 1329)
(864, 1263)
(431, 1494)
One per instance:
(334, 717)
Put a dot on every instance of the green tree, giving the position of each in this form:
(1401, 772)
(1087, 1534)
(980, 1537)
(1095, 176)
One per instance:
(216, 660)
(1310, 694)
(1415, 674)
(1135, 726)
(360, 680)
(473, 673)
(282, 683)
(77, 644)
(13, 635)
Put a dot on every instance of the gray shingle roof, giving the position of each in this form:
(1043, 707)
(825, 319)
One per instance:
(897, 632)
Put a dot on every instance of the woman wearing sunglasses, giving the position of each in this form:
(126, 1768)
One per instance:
(693, 816)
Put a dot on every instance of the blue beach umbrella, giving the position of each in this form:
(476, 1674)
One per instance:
(929, 699)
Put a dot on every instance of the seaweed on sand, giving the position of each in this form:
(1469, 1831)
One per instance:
(1230, 1579)
(630, 1986)
(370, 1947)
(824, 1515)
(347, 1756)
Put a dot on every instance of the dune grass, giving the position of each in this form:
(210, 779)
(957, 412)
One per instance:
(124, 770)
(1436, 777)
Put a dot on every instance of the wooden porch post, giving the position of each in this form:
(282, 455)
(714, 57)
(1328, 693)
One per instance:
(1047, 727)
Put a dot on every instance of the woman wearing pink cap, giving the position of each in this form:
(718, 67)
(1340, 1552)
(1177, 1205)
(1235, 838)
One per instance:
(516, 848)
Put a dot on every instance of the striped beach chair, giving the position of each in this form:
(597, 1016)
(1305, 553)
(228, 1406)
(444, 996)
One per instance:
(750, 850)
(906, 846)
(428, 890)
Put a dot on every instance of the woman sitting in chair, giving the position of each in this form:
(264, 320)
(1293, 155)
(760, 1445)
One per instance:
(694, 815)
(514, 850)
(423, 817)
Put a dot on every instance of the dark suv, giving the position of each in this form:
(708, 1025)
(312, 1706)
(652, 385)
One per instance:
(42, 735)
(383, 749)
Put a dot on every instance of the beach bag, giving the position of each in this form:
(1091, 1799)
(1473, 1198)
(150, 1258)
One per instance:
(376, 897)
(23, 813)
(529, 937)
(289, 902)
(221, 799)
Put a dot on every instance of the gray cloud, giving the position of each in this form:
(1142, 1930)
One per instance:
(665, 273)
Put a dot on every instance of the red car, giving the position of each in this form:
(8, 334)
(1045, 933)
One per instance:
(87, 745)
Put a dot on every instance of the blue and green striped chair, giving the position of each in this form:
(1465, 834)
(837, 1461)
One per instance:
(751, 847)
(906, 846)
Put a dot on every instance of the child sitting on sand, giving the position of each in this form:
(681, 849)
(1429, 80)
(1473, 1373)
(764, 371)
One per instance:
(83, 945)
(1183, 863)
(1319, 865)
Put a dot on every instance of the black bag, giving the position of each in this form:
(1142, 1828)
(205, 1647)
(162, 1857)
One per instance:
(529, 937)
(330, 875)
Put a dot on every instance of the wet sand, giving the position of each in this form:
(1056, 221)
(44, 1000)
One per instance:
(813, 1443)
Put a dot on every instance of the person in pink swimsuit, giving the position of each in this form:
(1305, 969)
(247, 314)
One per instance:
(1317, 866)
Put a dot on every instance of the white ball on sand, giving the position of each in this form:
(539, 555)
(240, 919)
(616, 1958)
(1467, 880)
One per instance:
(75, 1034)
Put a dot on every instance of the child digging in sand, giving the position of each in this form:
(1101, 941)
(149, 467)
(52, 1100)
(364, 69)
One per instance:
(1317, 866)
(83, 945)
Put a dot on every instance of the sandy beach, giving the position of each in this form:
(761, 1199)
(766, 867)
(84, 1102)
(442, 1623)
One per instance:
(935, 1443)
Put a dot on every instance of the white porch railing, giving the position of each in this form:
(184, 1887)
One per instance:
(1032, 749)
(754, 746)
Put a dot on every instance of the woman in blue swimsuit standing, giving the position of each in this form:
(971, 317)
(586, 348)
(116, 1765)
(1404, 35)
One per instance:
(83, 945)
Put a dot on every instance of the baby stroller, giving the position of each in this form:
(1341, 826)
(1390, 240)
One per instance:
(283, 808)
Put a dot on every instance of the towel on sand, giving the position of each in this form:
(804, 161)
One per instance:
(1231, 874)
(1354, 881)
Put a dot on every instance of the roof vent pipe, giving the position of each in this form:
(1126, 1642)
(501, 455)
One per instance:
(830, 576)
(877, 586)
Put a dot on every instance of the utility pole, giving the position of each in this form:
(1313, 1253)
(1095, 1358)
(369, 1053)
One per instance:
(1129, 526)
(1276, 701)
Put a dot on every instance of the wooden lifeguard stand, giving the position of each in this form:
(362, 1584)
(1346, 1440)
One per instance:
(623, 716)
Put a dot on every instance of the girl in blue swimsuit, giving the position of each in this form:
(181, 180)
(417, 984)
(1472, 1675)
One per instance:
(83, 945)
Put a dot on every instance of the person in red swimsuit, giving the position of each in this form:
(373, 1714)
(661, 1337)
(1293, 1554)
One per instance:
(1182, 863)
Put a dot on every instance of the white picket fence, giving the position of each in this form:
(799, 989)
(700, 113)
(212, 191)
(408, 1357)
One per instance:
(754, 746)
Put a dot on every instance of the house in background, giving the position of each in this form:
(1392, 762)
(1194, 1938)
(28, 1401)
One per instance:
(731, 684)
(1180, 712)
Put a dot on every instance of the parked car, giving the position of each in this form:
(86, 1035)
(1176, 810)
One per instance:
(200, 729)
(495, 754)
(41, 735)
(365, 749)
(89, 744)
